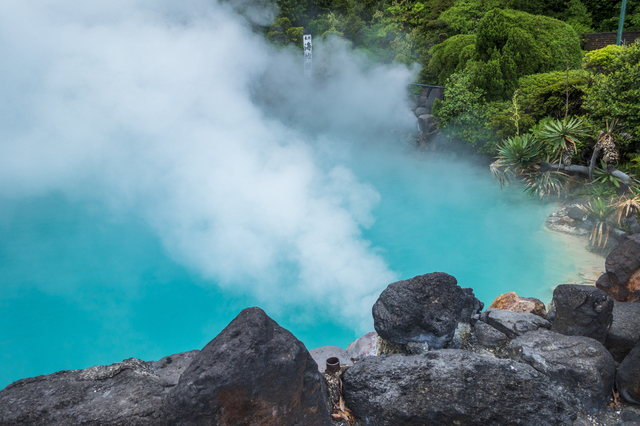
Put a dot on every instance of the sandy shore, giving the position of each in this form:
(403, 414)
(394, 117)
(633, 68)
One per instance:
(588, 266)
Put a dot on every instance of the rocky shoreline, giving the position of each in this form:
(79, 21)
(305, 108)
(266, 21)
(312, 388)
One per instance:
(436, 358)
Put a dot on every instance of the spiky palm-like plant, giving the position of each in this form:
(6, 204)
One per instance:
(563, 136)
(601, 212)
(516, 156)
(544, 184)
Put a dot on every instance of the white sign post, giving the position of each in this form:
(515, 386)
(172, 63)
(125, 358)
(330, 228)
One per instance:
(306, 43)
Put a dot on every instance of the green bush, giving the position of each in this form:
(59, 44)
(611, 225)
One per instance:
(512, 44)
(615, 93)
(451, 56)
(598, 60)
(463, 114)
(545, 94)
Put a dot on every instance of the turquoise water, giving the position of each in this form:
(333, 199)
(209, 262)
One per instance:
(81, 285)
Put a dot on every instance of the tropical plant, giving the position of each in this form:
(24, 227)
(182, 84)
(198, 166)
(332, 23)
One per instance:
(562, 137)
(516, 156)
(597, 190)
(629, 204)
(544, 184)
(601, 212)
(604, 176)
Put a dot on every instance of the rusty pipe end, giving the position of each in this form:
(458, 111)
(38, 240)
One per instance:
(333, 365)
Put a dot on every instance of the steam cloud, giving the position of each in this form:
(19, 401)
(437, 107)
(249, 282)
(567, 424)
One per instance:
(176, 111)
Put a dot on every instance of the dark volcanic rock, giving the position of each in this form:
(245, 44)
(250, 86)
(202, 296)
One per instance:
(513, 323)
(581, 366)
(628, 377)
(582, 310)
(125, 393)
(452, 387)
(254, 372)
(423, 309)
(169, 368)
(622, 277)
(488, 336)
(625, 329)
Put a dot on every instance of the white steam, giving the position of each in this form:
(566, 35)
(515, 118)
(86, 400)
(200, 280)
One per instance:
(176, 111)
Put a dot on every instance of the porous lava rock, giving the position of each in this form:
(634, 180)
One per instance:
(423, 309)
(126, 393)
(488, 336)
(452, 387)
(253, 372)
(512, 302)
(622, 277)
(628, 377)
(513, 324)
(581, 367)
(625, 329)
(582, 310)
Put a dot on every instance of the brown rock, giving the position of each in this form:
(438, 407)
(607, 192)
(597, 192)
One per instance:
(514, 303)
(566, 221)
(622, 277)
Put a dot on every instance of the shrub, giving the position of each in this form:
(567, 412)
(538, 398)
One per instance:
(615, 93)
(512, 44)
(545, 94)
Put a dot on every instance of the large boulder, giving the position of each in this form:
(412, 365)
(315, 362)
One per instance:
(513, 324)
(628, 377)
(125, 393)
(452, 387)
(622, 277)
(582, 368)
(253, 372)
(512, 302)
(423, 309)
(625, 329)
(582, 310)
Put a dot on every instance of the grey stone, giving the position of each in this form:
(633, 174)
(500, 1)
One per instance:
(575, 213)
(321, 354)
(582, 367)
(427, 123)
(628, 377)
(125, 393)
(513, 323)
(452, 387)
(253, 372)
(423, 309)
(363, 346)
(169, 368)
(632, 222)
(625, 329)
(489, 336)
(582, 310)
(421, 111)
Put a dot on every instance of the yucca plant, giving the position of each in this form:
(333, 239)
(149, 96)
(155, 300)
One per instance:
(544, 184)
(604, 176)
(601, 212)
(516, 156)
(629, 204)
(563, 136)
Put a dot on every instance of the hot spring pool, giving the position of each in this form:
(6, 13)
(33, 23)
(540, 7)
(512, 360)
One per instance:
(82, 285)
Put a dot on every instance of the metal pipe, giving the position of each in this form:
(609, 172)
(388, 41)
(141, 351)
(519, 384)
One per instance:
(333, 365)
(621, 22)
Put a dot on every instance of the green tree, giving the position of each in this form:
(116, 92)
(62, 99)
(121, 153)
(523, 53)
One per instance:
(615, 92)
